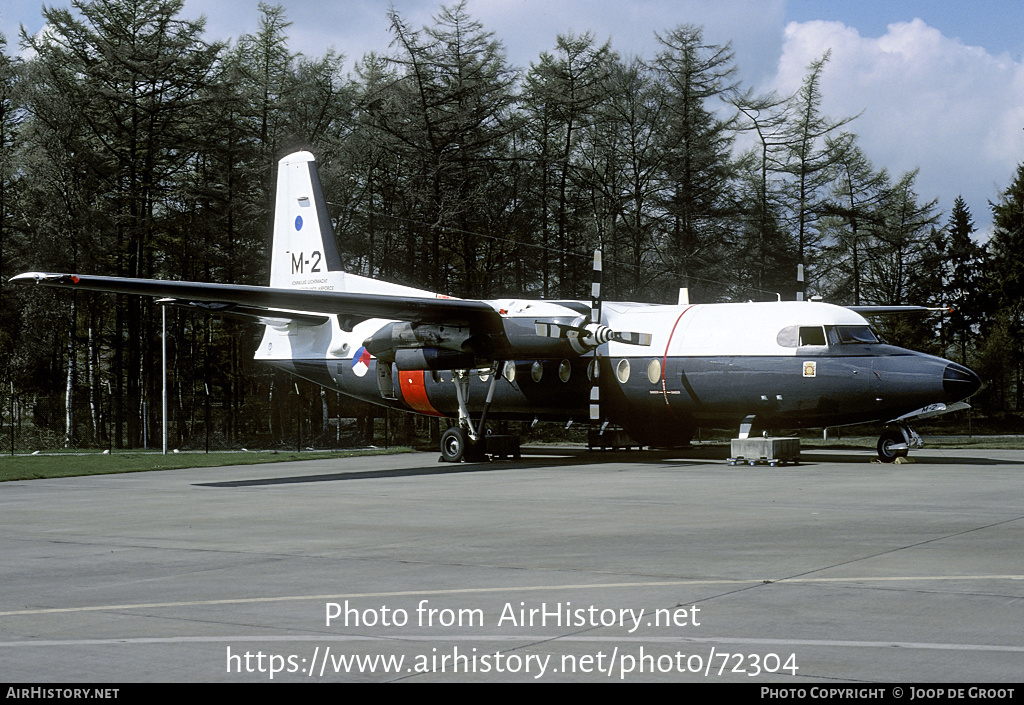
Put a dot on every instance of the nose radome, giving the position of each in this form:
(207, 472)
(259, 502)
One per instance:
(958, 382)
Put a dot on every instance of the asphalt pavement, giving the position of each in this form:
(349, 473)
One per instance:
(562, 566)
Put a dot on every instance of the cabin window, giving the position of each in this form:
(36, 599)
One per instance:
(622, 370)
(654, 371)
(564, 370)
(812, 335)
(537, 371)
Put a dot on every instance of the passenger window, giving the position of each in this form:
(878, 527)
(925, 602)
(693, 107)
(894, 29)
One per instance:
(812, 335)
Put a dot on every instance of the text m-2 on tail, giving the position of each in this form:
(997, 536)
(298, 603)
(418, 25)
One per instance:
(657, 371)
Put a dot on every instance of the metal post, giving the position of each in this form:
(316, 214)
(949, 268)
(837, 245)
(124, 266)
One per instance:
(163, 338)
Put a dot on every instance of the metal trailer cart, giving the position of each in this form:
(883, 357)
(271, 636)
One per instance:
(766, 451)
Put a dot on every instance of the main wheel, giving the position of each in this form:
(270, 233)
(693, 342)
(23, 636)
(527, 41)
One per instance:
(889, 438)
(453, 445)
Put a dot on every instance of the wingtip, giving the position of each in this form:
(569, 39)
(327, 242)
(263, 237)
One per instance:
(43, 277)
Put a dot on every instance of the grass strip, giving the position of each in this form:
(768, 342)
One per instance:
(35, 467)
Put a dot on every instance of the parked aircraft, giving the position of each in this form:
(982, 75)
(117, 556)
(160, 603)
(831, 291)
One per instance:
(657, 371)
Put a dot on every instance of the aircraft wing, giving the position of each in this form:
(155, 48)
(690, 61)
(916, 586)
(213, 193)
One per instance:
(896, 310)
(250, 300)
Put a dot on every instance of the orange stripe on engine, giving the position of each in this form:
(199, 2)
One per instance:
(414, 391)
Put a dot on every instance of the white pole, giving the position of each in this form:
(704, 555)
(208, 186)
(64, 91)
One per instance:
(163, 336)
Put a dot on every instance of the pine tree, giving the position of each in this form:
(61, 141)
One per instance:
(125, 80)
(901, 260)
(445, 118)
(1006, 275)
(812, 155)
(964, 285)
(562, 94)
(698, 169)
(849, 212)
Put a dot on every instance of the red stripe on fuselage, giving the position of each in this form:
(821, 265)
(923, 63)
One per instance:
(414, 391)
(664, 359)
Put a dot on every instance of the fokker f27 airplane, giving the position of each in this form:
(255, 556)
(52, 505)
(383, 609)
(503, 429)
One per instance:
(658, 371)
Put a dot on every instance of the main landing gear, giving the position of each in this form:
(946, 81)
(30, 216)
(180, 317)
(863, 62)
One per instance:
(469, 443)
(453, 445)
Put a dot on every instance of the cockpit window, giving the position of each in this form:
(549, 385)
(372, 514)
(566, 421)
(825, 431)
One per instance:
(798, 336)
(855, 335)
(812, 335)
(789, 337)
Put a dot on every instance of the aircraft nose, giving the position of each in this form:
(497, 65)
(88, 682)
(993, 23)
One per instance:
(958, 382)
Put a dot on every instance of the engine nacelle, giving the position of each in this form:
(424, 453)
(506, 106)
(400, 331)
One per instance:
(432, 359)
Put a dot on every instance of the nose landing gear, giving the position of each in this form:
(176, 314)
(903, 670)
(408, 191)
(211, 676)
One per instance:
(896, 442)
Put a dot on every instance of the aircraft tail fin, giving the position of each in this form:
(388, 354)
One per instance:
(304, 250)
(305, 253)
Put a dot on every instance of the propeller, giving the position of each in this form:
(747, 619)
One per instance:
(598, 334)
(588, 333)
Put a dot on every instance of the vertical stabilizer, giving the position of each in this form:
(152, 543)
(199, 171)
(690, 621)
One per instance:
(304, 249)
(305, 252)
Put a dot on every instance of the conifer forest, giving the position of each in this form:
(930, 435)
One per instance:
(133, 145)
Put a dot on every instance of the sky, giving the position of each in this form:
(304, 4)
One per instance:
(937, 85)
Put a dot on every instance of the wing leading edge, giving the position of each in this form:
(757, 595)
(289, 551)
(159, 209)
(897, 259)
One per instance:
(261, 300)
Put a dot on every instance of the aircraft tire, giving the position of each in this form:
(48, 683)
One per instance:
(889, 438)
(453, 445)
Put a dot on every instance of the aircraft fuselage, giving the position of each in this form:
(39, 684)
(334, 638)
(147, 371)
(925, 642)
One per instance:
(788, 364)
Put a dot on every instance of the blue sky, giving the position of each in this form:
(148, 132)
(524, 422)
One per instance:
(938, 85)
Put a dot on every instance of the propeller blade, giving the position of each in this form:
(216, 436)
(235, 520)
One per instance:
(632, 338)
(595, 334)
(551, 330)
(591, 335)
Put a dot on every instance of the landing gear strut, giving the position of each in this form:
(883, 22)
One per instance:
(464, 442)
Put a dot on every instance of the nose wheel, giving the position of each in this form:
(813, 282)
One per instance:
(896, 442)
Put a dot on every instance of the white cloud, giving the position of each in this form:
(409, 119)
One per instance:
(928, 101)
